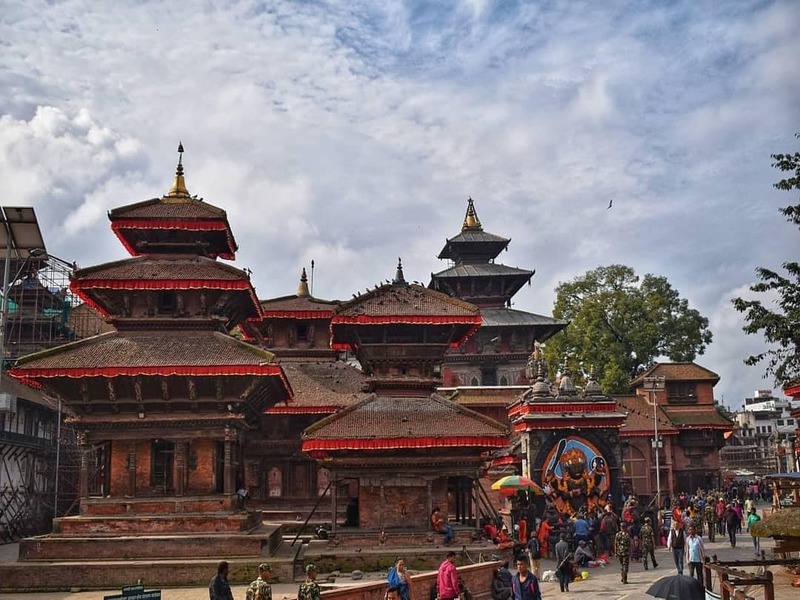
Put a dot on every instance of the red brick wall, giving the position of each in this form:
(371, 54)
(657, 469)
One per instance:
(402, 506)
(119, 468)
(478, 578)
(705, 393)
(143, 467)
(201, 480)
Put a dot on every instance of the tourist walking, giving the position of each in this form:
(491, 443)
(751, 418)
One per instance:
(676, 541)
(563, 564)
(525, 585)
(753, 518)
(622, 548)
(648, 537)
(218, 588)
(732, 522)
(259, 589)
(400, 578)
(309, 589)
(695, 553)
(447, 578)
(535, 554)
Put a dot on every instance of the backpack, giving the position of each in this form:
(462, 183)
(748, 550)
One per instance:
(535, 548)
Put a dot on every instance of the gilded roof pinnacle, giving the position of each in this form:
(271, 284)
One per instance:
(302, 289)
(178, 189)
(471, 220)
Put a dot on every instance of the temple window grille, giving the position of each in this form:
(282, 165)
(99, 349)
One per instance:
(681, 392)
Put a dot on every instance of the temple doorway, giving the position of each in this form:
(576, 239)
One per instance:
(161, 473)
(460, 500)
(99, 474)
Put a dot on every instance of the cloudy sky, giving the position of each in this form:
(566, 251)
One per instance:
(351, 133)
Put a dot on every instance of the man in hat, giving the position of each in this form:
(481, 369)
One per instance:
(309, 589)
(648, 537)
(622, 548)
(259, 589)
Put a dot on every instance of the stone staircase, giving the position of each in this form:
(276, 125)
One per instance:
(88, 552)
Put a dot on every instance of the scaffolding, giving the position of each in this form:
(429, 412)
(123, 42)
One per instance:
(42, 312)
(39, 462)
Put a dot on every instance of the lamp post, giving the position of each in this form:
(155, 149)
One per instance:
(652, 385)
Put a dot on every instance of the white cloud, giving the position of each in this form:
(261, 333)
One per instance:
(352, 132)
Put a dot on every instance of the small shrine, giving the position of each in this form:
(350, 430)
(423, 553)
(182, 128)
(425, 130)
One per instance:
(296, 327)
(406, 448)
(164, 402)
(569, 439)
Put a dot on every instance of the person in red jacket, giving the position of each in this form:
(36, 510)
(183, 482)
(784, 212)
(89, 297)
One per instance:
(447, 580)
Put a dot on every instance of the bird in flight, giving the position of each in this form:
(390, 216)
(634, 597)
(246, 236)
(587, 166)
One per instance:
(610, 202)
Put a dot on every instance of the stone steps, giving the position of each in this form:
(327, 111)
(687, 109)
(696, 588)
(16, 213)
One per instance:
(150, 547)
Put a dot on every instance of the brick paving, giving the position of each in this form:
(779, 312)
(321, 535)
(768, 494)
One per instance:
(602, 584)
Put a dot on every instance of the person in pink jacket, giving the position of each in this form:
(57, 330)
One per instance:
(447, 580)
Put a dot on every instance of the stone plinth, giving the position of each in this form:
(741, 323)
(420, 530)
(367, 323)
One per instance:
(155, 524)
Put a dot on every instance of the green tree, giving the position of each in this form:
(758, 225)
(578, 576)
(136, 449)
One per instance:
(619, 325)
(780, 326)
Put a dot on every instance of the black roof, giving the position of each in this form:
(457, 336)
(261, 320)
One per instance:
(481, 270)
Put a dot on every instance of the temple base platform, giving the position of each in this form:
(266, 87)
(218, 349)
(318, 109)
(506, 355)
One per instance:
(99, 561)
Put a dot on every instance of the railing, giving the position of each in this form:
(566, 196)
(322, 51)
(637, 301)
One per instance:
(484, 504)
(731, 577)
(29, 441)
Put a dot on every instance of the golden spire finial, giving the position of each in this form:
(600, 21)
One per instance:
(178, 189)
(302, 289)
(471, 221)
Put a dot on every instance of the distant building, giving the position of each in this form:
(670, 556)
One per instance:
(694, 428)
(766, 433)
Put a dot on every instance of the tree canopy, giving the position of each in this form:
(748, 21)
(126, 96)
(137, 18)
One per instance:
(780, 326)
(620, 324)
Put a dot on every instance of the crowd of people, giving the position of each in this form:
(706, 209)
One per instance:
(584, 540)
(632, 534)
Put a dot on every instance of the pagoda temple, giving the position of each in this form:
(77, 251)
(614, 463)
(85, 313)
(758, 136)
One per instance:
(408, 448)
(498, 353)
(165, 401)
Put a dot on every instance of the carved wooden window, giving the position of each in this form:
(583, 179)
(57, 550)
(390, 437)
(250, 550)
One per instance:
(681, 392)
(162, 456)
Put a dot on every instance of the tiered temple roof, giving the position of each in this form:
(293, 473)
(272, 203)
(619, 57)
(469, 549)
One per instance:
(398, 331)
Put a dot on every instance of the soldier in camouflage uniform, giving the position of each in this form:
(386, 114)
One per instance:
(710, 515)
(622, 548)
(648, 538)
(309, 589)
(698, 519)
